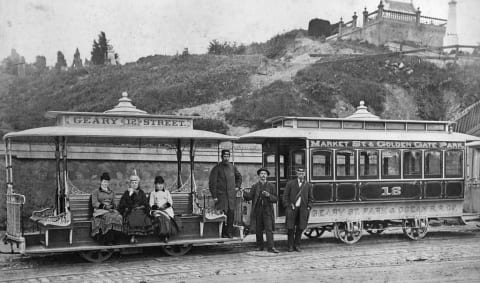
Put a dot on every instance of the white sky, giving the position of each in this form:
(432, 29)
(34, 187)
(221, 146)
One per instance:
(139, 28)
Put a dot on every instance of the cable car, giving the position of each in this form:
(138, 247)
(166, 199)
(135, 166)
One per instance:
(128, 131)
(368, 173)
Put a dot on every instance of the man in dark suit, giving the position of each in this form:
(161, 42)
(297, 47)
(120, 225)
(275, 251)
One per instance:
(224, 181)
(263, 195)
(297, 199)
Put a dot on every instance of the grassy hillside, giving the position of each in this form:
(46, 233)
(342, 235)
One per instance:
(318, 89)
(290, 85)
(157, 84)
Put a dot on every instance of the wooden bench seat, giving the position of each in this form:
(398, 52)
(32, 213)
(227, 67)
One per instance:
(80, 214)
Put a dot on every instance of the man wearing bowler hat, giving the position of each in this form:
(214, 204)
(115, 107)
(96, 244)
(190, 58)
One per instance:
(224, 181)
(263, 196)
(297, 199)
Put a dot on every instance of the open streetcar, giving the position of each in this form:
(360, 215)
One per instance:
(65, 227)
(368, 173)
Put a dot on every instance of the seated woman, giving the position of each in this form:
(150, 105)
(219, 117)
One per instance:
(162, 211)
(134, 208)
(106, 220)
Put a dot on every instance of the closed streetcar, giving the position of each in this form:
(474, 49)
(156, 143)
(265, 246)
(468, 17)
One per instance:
(368, 173)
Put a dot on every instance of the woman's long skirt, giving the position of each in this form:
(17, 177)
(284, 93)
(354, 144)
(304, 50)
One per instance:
(164, 225)
(107, 226)
(138, 223)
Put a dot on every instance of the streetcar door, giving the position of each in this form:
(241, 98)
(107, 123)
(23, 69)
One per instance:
(296, 159)
(275, 163)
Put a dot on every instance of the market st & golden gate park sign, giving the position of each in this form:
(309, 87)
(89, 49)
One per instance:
(123, 121)
(386, 144)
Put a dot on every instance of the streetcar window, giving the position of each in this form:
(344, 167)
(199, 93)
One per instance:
(352, 125)
(282, 166)
(288, 124)
(391, 164)
(270, 163)
(435, 127)
(453, 163)
(368, 164)
(415, 127)
(433, 164)
(374, 125)
(345, 162)
(396, 126)
(322, 164)
(331, 124)
(412, 164)
(298, 161)
(307, 124)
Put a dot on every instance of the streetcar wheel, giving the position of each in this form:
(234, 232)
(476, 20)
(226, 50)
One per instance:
(314, 232)
(96, 256)
(415, 229)
(177, 250)
(375, 231)
(348, 234)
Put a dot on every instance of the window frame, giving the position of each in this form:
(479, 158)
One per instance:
(412, 176)
(399, 176)
(377, 176)
(353, 168)
(331, 154)
(431, 176)
(462, 173)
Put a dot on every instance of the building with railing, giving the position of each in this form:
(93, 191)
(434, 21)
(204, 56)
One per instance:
(393, 21)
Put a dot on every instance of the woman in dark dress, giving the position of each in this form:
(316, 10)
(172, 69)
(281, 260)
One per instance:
(134, 208)
(106, 220)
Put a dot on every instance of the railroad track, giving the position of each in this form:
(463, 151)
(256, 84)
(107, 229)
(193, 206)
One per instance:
(320, 256)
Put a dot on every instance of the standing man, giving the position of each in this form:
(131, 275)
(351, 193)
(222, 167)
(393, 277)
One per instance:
(296, 199)
(224, 181)
(263, 196)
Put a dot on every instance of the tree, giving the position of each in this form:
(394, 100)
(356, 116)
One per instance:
(61, 62)
(77, 61)
(319, 27)
(100, 50)
(40, 63)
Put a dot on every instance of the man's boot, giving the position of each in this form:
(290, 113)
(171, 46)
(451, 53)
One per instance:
(290, 240)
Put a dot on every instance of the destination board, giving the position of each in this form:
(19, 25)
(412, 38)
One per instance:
(380, 211)
(386, 144)
(119, 121)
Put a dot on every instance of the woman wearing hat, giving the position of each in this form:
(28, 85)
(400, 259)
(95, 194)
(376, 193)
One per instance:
(106, 220)
(133, 206)
(162, 211)
(263, 196)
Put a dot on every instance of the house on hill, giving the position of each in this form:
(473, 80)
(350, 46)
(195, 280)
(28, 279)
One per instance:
(393, 21)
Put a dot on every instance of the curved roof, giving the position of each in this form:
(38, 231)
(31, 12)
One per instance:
(83, 133)
(123, 123)
(328, 134)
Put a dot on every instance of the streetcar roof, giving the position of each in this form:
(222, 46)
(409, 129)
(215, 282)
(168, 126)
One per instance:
(361, 125)
(122, 123)
(335, 134)
(162, 135)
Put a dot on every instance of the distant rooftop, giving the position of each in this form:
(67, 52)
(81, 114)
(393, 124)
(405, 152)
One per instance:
(400, 6)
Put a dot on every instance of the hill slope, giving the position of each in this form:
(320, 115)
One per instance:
(243, 90)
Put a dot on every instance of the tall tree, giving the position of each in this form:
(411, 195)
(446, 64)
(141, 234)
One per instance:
(61, 62)
(100, 50)
(77, 61)
(40, 63)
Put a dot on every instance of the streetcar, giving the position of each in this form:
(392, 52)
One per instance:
(368, 174)
(80, 138)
